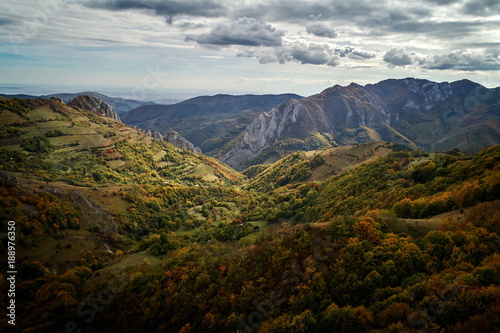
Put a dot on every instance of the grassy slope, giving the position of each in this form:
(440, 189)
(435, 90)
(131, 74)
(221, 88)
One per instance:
(114, 146)
(301, 167)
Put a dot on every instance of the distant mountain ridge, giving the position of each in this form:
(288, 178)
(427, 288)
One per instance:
(118, 103)
(434, 116)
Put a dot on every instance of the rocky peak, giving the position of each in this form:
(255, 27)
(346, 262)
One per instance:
(264, 130)
(410, 111)
(57, 99)
(94, 105)
(177, 140)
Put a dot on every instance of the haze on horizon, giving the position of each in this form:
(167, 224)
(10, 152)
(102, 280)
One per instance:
(146, 48)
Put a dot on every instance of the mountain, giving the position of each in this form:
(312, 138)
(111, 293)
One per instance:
(94, 105)
(209, 122)
(119, 104)
(80, 145)
(118, 231)
(434, 116)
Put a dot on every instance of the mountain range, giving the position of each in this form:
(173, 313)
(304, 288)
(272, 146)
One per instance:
(247, 130)
(430, 115)
(209, 122)
(118, 230)
(119, 104)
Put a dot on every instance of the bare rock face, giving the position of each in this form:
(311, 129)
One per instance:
(264, 130)
(93, 214)
(57, 99)
(9, 180)
(174, 138)
(94, 105)
(154, 134)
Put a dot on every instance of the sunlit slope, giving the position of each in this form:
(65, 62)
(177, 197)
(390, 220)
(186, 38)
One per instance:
(48, 140)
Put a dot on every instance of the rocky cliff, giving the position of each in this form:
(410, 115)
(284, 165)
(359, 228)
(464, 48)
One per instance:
(434, 116)
(209, 122)
(173, 137)
(177, 140)
(94, 105)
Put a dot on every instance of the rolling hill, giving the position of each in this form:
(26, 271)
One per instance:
(316, 165)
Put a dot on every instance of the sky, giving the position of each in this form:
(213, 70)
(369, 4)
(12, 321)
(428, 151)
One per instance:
(148, 49)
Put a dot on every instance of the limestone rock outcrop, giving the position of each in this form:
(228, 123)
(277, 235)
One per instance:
(94, 105)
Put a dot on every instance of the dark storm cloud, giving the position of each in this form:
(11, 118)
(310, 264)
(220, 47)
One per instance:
(443, 2)
(443, 30)
(244, 31)
(463, 60)
(482, 7)
(351, 52)
(168, 9)
(287, 10)
(355, 54)
(190, 25)
(6, 21)
(360, 21)
(321, 30)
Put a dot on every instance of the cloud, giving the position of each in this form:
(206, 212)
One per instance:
(443, 2)
(465, 60)
(185, 25)
(351, 52)
(482, 7)
(321, 30)
(314, 54)
(285, 10)
(303, 53)
(398, 58)
(245, 31)
(307, 53)
(169, 9)
(438, 30)
(6, 21)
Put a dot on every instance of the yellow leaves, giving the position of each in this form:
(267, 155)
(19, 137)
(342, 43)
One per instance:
(70, 277)
(373, 279)
(390, 241)
(366, 229)
(352, 241)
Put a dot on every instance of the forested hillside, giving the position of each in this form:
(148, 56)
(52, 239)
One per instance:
(117, 231)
